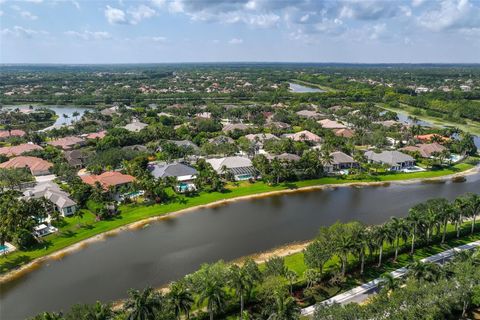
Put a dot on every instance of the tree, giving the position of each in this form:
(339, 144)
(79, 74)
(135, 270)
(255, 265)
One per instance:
(180, 298)
(241, 281)
(142, 305)
(317, 253)
(379, 235)
(291, 277)
(388, 282)
(398, 227)
(470, 205)
(275, 266)
(209, 283)
(426, 271)
(414, 219)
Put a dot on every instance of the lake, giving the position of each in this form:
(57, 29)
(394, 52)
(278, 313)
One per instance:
(297, 88)
(59, 111)
(169, 249)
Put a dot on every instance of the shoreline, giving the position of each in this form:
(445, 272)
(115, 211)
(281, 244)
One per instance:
(37, 262)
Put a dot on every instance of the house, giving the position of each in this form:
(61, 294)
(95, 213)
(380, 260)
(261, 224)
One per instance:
(431, 137)
(67, 143)
(304, 135)
(289, 157)
(59, 199)
(260, 138)
(279, 125)
(184, 174)
(96, 135)
(221, 140)
(388, 123)
(309, 114)
(331, 124)
(77, 158)
(37, 166)
(340, 161)
(136, 148)
(18, 150)
(396, 160)
(43, 230)
(426, 150)
(110, 181)
(135, 126)
(241, 167)
(5, 134)
(234, 126)
(346, 133)
(203, 115)
(110, 111)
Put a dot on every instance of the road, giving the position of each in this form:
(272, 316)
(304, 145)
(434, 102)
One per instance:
(362, 292)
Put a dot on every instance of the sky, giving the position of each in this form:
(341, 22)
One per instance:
(158, 31)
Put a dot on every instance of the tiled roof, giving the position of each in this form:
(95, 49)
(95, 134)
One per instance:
(96, 135)
(330, 124)
(304, 135)
(162, 170)
(36, 165)
(229, 162)
(426, 150)
(12, 133)
(66, 142)
(18, 150)
(389, 157)
(108, 179)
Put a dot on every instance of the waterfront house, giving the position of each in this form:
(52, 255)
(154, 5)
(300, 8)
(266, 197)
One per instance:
(96, 135)
(111, 181)
(426, 150)
(287, 157)
(19, 149)
(340, 161)
(426, 138)
(37, 166)
(60, 200)
(184, 174)
(395, 160)
(331, 124)
(241, 167)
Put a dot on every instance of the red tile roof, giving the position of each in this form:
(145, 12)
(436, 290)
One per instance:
(97, 135)
(429, 137)
(108, 179)
(18, 150)
(36, 165)
(4, 134)
(67, 142)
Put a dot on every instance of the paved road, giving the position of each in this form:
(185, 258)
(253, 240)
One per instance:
(362, 292)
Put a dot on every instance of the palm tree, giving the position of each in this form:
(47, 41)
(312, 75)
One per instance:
(209, 284)
(285, 308)
(242, 282)
(457, 215)
(291, 277)
(344, 246)
(379, 235)
(65, 116)
(75, 114)
(49, 316)
(180, 298)
(388, 282)
(424, 271)
(142, 305)
(100, 312)
(398, 227)
(414, 219)
(470, 205)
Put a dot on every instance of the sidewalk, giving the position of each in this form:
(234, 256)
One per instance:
(363, 291)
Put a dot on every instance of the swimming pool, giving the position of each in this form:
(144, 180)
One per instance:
(3, 249)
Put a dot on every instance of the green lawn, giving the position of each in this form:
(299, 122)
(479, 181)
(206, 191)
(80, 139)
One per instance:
(314, 85)
(75, 229)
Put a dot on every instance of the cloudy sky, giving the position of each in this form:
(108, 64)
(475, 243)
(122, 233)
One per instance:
(121, 31)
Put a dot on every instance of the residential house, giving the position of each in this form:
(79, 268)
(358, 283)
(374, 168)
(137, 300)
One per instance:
(110, 181)
(241, 167)
(309, 114)
(221, 140)
(77, 158)
(279, 125)
(96, 135)
(304, 135)
(136, 147)
(67, 143)
(346, 133)
(289, 157)
(60, 200)
(260, 138)
(19, 149)
(184, 174)
(340, 161)
(203, 115)
(426, 150)
(37, 166)
(235, 126)
(396, 160)
(5, 134)
(331, 124)
(135, 126)
(425, 138)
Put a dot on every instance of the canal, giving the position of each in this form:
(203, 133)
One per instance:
(168, 249)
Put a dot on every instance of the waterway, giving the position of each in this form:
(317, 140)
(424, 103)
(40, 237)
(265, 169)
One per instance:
(59, 111)
(297, 88)
(169, 249)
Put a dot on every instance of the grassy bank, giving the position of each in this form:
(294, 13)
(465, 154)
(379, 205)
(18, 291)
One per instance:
(472, 127)
(76, 229)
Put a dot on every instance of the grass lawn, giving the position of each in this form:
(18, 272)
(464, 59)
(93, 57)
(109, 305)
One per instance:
(75, 229)
(471, 126)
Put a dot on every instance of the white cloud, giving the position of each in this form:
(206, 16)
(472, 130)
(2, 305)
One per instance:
(21, 32)
(159, 3)
(159, 39)
(115, 16)
(33, 1)
(28, 15)
(139, 13)
(235, 41)
(89, 35)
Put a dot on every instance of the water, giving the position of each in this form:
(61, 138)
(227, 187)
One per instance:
(297, 88)
(59, 111)
(171, 248)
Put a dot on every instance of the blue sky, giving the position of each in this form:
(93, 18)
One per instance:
(121, 31)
